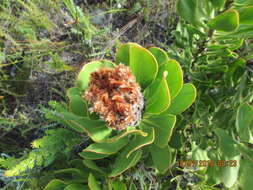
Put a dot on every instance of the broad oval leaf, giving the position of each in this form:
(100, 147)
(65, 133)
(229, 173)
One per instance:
(92, 183)
(183, 100)
(93, 155)
(163, 125)
(162, 157)
(77, 104)
(246, 173)
(83, 77)
(95, 129)
(229, 175)
(141, 62)
(227, 144)
(246, 15)
(140, 141)
(174, 78)
(226, 22)
(55, 184)
(73, 171)
(157, 96)
(124, 134)
(160, 55)
(107, 148)
(188, 10)
(76, 186)
(244, 118)
(122, 163)
(118, 185)
(92, 165)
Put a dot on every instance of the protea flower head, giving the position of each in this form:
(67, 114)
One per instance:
(116, 91)
(115, 96)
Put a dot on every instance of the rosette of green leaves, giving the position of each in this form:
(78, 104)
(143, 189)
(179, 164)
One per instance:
(161, 81)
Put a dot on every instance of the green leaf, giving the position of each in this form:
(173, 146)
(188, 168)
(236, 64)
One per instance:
(107, 148)
(55, 184)
(92, 183)
(183, 100)
(140, 141)
(157, 96)
(229, 174)
(76, 186)
(246, 173)
(218, 3)
(226, 22)
(73, 171)
(141, 62)
(124, 134)
(95, 129)
(245, 151)
(83, 77)
(188, 10)
(92, 165)
(93, 155)
(77, 104)
(160, 55)
(161, 157)
(174, 78)
(227, 144)
(244, 119)
(122, 163)
(118, 185)
(163, 125)
(246, 15)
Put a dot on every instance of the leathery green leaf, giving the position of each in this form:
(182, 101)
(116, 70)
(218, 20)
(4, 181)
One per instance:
(246, 15)
(123, 53)
(163, 125)
(140, 141)
(226, 22)
(183, 100)
(83, 77)
(77, 104)
(55, 184)
(93, 155)
(122, 163)
(174, 78)
(95, 129)
(188, 10)
(244, 119)
(124, 134)
(141, 62)
(118, 185)
(157, 96)
(229, 175)
(107, 148)
(227, 144)
(160, 55)
(162, 157)
(92, 165)
(246, 173)
(92, 183)
(76, 186)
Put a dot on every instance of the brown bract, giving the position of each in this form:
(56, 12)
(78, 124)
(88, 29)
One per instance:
(115, 96)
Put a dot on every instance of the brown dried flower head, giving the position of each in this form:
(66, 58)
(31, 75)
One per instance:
(115, 96)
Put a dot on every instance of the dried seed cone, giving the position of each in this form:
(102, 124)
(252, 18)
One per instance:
(115, 96)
